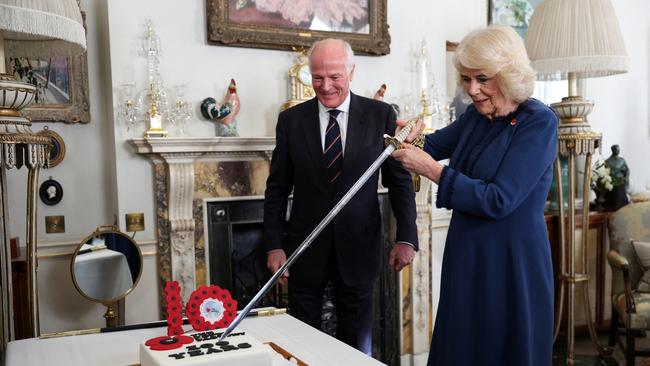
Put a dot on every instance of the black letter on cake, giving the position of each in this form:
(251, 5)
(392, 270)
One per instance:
(177, 356)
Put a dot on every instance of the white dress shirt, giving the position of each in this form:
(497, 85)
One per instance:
(342, 119)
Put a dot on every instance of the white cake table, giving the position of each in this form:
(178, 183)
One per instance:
(121, 348)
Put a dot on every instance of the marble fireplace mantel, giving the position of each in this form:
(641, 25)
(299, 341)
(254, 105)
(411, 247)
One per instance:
(187, 170)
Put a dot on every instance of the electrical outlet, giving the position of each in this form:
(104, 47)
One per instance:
(55, 224)
(134, 221)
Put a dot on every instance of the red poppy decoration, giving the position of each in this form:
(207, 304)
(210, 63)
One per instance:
(210, 307)
(513, 122)
(174, 308)
(166, 343)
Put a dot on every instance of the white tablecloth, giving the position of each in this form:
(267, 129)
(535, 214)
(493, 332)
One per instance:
(102, 274)
(121, 348)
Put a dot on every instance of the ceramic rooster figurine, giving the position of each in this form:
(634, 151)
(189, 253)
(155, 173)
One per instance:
(223, 113)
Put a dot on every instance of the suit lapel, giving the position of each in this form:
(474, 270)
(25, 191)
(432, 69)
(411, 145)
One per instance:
(312, 141)
(355, 135)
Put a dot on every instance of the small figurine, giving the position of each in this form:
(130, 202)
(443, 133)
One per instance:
(379, 95)
(620, 173)
(223, 113)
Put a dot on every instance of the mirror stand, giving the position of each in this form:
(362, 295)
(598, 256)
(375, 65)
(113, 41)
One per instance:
(110, 315)
(105, 267)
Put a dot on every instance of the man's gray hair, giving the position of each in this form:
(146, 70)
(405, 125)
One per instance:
(349, 54)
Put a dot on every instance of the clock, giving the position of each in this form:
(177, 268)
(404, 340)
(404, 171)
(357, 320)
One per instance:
(300, 88)
(304, 75)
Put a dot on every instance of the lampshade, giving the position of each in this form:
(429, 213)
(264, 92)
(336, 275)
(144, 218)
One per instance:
(575, 36)
(34, 29)
(42, 28)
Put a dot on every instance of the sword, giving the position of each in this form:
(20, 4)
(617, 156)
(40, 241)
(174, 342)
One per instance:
(392, 144)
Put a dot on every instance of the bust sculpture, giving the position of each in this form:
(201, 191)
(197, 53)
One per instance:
(618, 168)
(620, 173)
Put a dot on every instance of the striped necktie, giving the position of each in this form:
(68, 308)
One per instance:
(333, 151)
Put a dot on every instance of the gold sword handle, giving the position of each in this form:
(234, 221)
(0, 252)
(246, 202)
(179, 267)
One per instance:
(398, 140)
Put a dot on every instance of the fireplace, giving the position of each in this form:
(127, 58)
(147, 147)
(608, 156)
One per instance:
(236, 254)
(237, 261)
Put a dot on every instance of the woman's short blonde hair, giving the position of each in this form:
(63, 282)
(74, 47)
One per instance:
(498, 51)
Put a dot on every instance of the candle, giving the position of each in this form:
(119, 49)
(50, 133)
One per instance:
(423, 76)
(155, 123)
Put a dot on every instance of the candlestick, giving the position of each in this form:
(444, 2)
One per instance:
(155, 122)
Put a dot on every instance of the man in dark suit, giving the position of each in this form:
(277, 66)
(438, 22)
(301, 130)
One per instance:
(320, 154)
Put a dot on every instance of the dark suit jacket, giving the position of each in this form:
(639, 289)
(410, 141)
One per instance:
(356, 232)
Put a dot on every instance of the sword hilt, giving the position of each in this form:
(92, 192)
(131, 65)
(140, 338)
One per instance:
(397, 142)
(399, 138)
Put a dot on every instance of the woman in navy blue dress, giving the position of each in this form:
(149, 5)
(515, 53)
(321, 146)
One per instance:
(496, 295)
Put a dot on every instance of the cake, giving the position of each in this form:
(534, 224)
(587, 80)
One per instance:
(202, 348)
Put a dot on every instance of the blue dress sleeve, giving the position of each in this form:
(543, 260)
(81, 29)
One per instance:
(530, 155)
(442, 143)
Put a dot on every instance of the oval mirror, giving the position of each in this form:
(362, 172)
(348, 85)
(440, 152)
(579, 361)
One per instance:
(105, 267)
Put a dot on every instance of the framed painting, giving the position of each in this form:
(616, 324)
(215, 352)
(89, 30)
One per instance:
(515, 13)
(61, 87)
(289, 25)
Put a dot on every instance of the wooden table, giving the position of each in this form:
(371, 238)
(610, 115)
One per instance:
(599, 271)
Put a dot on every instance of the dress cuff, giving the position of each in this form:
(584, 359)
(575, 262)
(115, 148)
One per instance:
(446, 187)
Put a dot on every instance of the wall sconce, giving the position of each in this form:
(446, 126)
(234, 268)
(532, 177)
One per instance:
(153, 105)
(426, 100)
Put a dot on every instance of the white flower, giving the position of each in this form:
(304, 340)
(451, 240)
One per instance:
(600, 177)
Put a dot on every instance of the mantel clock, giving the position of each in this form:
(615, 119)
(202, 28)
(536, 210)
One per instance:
(299, 82)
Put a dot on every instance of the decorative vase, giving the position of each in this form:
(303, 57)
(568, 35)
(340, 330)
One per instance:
(615, 199)
(599, 203)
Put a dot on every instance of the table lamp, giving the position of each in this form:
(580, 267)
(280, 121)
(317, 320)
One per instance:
(571, 39)
(28, 28)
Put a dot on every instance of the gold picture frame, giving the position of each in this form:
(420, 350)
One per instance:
(57, 150)
(64, 99)
(61, 86)
(239, 23)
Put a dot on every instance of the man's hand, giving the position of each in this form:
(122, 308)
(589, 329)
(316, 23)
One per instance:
(274, 260)
(400, 256)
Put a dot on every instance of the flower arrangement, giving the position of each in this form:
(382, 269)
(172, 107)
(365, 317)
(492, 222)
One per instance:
(601, 179)
(516, 13)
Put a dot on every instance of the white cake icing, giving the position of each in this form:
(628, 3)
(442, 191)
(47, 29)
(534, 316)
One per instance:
(240, 350)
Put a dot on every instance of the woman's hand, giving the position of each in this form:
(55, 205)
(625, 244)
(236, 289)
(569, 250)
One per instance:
(417, 161)
(415, 131)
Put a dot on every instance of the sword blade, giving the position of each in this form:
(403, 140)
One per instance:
(305, 244)
(392, 143)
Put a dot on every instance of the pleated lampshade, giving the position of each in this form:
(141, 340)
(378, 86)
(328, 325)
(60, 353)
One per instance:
(33, 29)
(575, 36)
(42, 28)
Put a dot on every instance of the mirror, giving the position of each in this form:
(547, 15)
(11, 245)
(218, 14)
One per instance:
(105, 267)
